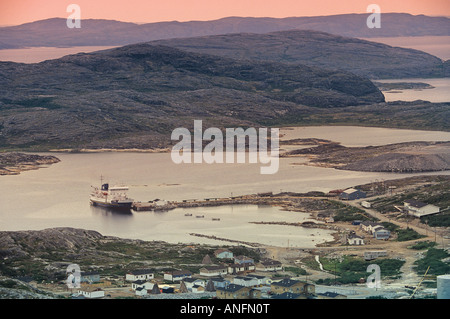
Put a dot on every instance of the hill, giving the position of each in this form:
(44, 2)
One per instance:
(314, 48)
(140, 93)
(54, 32)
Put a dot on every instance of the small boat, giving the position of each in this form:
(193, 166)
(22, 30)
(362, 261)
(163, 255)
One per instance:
(114, 197)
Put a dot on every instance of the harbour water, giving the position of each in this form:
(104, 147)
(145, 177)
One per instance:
(440, 91)
(58, 195)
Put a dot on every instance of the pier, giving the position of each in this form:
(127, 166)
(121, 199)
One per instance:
(257, 199)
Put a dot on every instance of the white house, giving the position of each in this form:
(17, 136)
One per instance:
(261, 280)
(213, 271)
(419, 209)
(269, 265)
(237, 268)
(141, 291)
(177, 275)
(245, 281)
(191, 282)
(369, 226)
(355, 240)
(139, 274)
(142, 284)
(91, 293)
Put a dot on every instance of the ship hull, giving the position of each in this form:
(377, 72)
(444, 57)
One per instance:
(126, 206)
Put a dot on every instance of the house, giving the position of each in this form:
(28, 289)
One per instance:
(330, 295)
(292, 286)
(213, 271)
(139, 274)
(240, 268)
(223, 254)
(352, 194)
(288, 295)
(245, 281)
(91, 293)
(90, 277)
(141, 291)
(243, 260)
(177, 275)
(191, 282)
(141, 284)
(268, 265)
(353, 239)
(419, 209)
(219, 282)
(369, 226)
(233, 291)
(381, 233)
(261, 280)
(198, 289)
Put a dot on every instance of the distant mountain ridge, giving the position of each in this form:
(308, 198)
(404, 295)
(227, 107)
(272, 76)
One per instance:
(96, 32)
(320, 49)
(149, 89)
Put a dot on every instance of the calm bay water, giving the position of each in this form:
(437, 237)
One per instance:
(438, 94)
(59, 194)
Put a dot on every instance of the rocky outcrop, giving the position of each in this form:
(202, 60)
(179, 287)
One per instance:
(14, 163)
(16, 244)
(409, 157)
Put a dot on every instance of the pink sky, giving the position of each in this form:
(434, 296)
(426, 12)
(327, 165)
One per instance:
(14, 12)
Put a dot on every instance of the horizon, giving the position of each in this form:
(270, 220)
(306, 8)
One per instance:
(226, 17)
(17, 12)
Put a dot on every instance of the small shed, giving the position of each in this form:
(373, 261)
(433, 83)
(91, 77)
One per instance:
(352, 194)
(381, 233)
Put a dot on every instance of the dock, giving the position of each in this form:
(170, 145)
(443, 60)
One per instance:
(207, 202)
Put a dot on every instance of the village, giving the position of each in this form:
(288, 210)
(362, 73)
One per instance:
(365, 232)
(241, 277)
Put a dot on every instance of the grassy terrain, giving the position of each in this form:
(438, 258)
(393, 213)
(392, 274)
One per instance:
(346, 213)
(352, 269)
(434, 258)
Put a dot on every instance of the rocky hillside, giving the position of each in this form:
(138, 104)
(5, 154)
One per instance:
(409, 157)
(146, 91)
(314, 48)
(20, 244)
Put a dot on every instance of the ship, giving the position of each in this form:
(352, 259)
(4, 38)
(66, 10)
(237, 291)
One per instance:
(114, 197)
